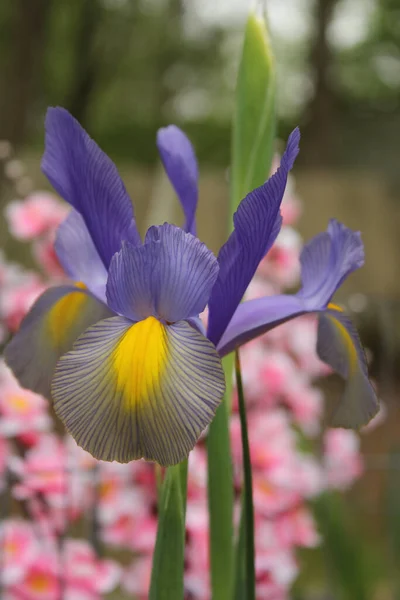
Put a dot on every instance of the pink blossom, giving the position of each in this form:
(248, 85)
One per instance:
(275, 572)
(22, 413)
(122, 526)
(18, 546)
(281, 264)
(46, 257)
(342, 460)
(85, 575)
(34, 216)
(305, 402)
(41, 580)
(16, 299)
(297, 528)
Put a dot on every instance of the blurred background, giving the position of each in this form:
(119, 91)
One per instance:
(124, 68)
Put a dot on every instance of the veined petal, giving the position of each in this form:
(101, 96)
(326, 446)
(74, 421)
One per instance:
(340, 347)
(255, 317)
(128, 391)
(86, 178)
(78, 255)
(326, 261)
(49, 330)
(170, 276)
(180, 164)
(257, 223)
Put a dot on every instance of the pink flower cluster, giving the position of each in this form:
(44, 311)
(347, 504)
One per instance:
(57, 486)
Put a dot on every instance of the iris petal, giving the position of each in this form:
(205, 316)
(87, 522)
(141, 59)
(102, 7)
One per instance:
(257, 223)
(327, 260)
(86, 178)
(78, 255)
(180, 164)
(170, 276)
(143, 390)
(49, 330)
(339, 346)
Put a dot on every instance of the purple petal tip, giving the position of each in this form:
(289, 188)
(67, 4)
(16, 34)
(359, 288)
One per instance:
(292, 149)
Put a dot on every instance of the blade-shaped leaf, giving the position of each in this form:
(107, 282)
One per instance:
(254, 117)
(168, 559)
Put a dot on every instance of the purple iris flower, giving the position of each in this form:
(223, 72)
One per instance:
(122, 352)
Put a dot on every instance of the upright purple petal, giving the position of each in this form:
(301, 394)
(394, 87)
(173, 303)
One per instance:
(326, 261)
(180, 164)
(256, 224)
(86, 178)
(78, 255)
(170, 276)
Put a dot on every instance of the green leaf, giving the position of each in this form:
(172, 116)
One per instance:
(168, 559)
(254, 117)
(221, 496)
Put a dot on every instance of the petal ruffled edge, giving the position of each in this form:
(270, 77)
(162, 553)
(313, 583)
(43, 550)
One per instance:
(171, 276)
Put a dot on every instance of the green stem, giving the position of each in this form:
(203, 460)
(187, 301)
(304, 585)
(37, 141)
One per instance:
(221, 497)
(248, 488)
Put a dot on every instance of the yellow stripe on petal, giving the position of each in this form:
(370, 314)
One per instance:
(140, 361)
(339, 346)
(145, 390)
(348, 344)
(64, 314)
(335, 307)
(49, 330)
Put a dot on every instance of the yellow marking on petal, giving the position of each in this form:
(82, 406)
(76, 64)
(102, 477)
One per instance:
(64, 313)
(140, 360)
(335, 307)
(348, 342)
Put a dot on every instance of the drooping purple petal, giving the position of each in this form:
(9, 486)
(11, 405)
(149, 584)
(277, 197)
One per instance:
(86, 178)
(49, 330)
(340, 347)
(256, 224)
(180, 164)
(78, 255)
(326, 261)
(170, 276)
